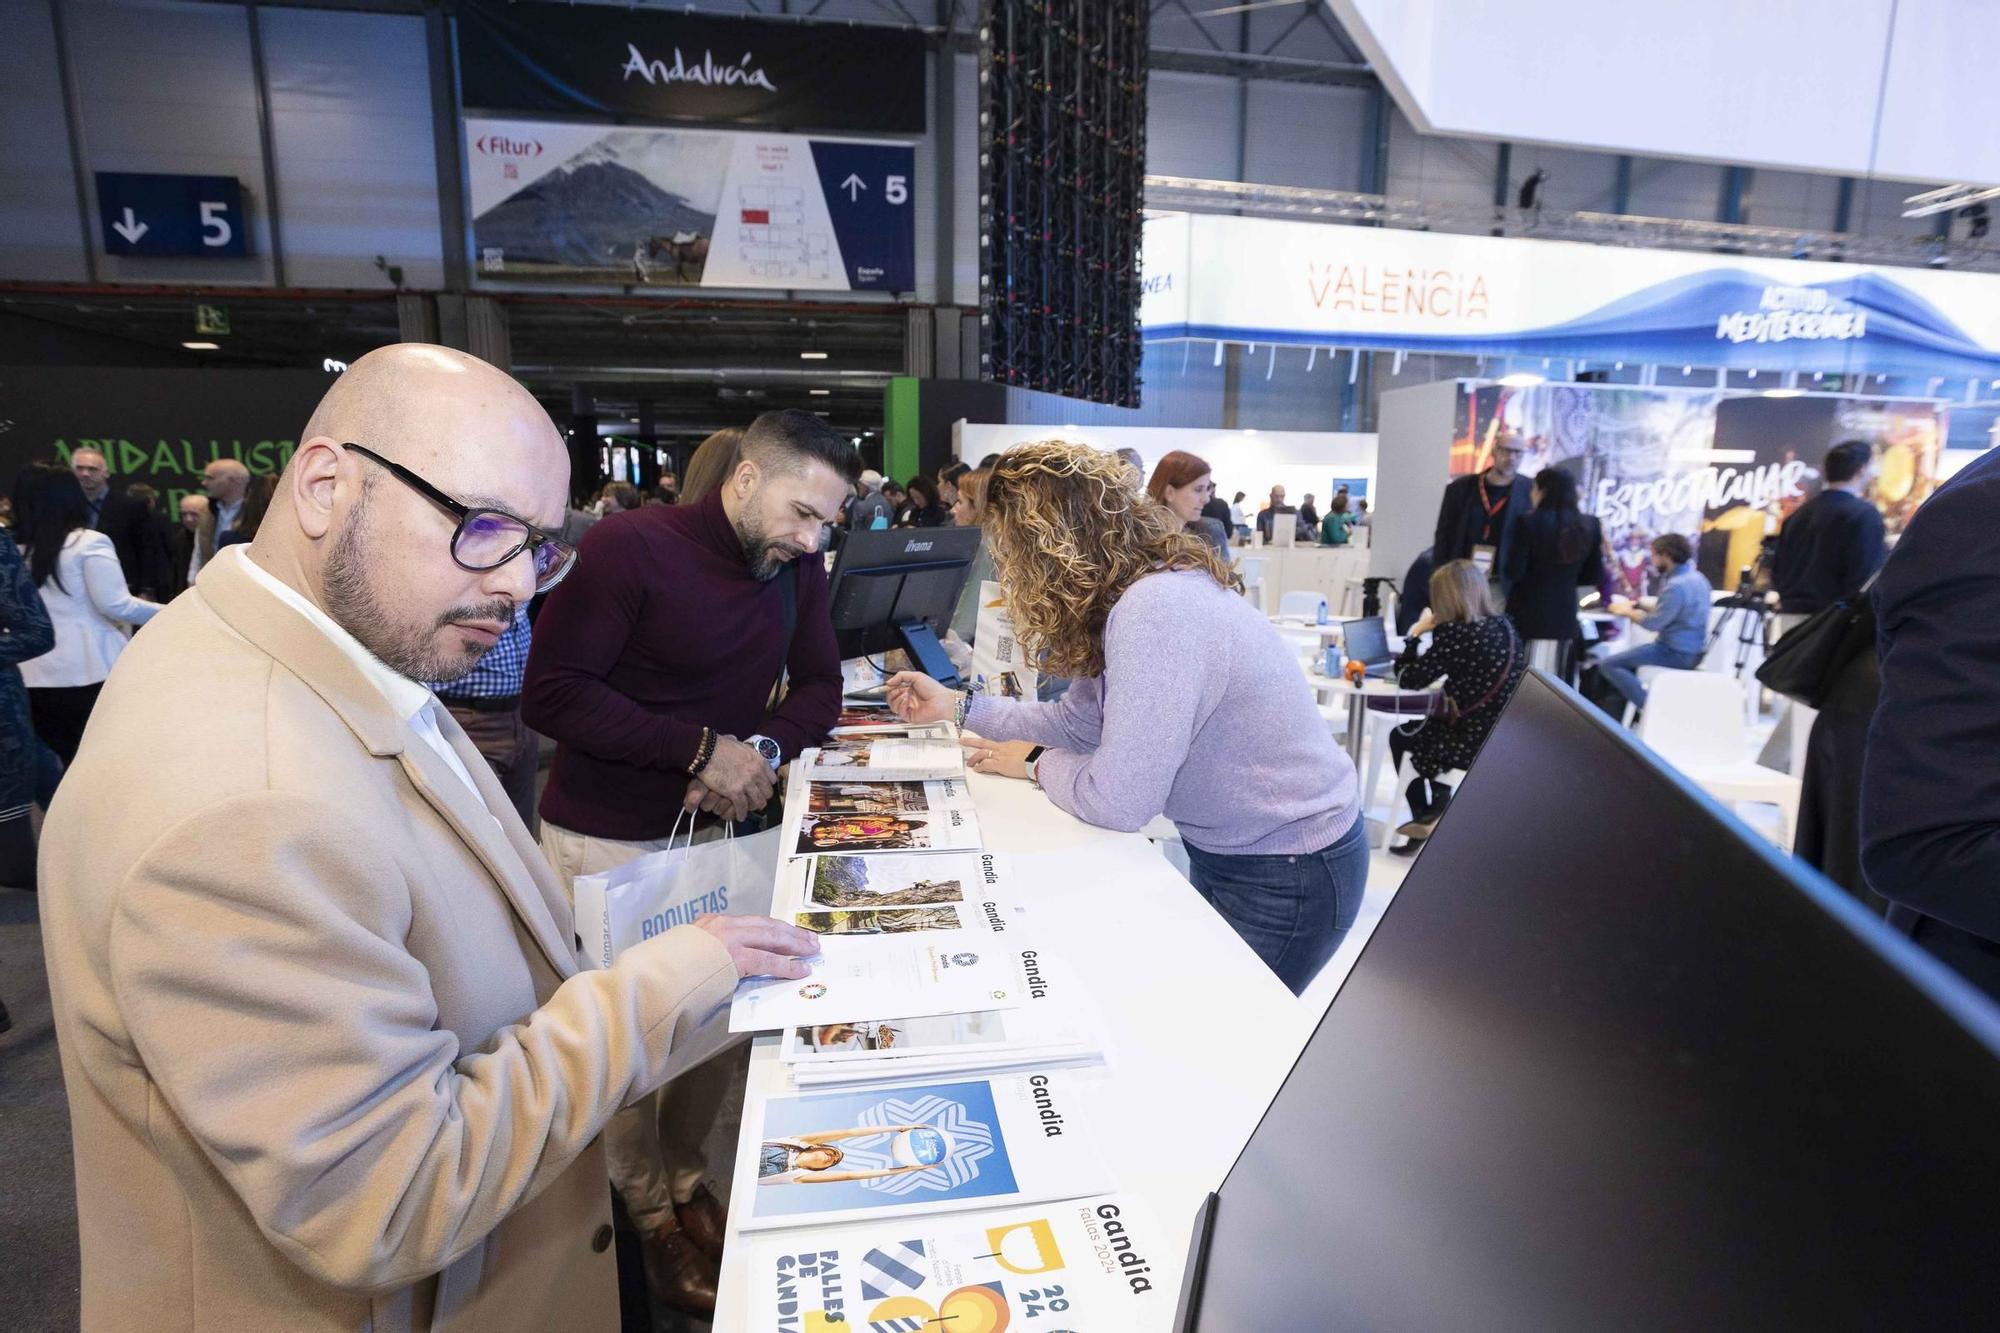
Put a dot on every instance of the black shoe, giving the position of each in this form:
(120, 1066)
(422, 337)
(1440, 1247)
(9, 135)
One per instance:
(6, 1023)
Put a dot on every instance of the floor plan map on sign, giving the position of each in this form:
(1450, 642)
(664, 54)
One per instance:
(1081, 1267)
(773, 239)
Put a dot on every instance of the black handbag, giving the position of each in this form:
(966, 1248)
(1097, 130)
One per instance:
(1804, 664)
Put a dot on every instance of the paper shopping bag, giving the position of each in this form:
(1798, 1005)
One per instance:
(998, 665)
(654, 894)
(650, 896)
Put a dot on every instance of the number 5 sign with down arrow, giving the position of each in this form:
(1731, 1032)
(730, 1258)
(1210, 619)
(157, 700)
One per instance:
(159, 215)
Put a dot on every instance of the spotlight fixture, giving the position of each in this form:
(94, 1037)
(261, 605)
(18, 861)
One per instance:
(203, 347)
(1522, 379)
(820, 393)
(1978, 219)
(812, 356)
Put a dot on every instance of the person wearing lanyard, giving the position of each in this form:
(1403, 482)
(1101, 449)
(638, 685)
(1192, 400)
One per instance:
(1477, 518)
(487, 703)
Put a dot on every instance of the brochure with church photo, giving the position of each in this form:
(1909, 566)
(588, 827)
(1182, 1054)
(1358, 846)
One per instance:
(832, 883)
(864, 816)
(1101, 1263)
(918, 1149)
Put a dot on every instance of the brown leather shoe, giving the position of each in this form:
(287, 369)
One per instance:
(704, 1219)
(679, 1275)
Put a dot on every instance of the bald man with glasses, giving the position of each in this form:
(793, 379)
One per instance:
(330, 1061)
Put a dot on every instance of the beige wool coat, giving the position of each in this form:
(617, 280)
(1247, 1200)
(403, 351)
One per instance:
(329, 1059)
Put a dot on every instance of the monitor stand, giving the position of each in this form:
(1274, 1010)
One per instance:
(926, 653)
(1189, 1309)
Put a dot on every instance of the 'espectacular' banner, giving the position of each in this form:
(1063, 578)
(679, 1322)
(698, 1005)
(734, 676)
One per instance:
(568, 202)
(606, 61)
(1269, 280)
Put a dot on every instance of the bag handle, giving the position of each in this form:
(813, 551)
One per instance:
(684, 816)
(1505, 671)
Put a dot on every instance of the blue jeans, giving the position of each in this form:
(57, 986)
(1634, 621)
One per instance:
(1293, 911)
(1622, 669)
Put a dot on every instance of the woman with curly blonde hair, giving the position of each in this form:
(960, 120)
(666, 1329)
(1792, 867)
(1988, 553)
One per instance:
(1185, 702)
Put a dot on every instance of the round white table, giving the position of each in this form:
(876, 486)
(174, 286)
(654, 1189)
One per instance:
(1330, 688)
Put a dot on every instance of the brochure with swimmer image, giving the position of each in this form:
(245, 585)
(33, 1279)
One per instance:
(845, 815)
(1098, 1264)
(889, 755)
(913, 1150)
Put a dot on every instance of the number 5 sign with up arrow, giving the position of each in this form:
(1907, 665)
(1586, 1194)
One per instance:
(150, 214)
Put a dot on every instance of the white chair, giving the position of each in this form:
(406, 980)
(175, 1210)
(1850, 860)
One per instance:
(1307, 605)
(1250, 568)
(1647, 675)
(1694, 721)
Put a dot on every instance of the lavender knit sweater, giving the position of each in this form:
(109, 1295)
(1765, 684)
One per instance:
(1202, 714)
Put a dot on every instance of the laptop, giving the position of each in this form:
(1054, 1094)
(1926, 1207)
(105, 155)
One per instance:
(1367, 641)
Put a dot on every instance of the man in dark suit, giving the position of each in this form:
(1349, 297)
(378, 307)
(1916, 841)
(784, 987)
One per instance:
(186, 544)
(142, 551)
(1930, 783)
(1477, 518)
(1834, 542)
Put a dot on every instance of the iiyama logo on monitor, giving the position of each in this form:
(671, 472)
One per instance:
(912, 546)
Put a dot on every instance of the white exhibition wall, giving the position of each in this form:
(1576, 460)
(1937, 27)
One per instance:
(1417, 424)
(1788, 83)
(1251, 461)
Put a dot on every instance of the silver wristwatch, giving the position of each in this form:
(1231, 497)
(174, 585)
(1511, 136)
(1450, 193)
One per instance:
(767, 747)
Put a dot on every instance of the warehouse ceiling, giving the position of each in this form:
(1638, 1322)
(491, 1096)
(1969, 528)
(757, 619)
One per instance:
(696, 365)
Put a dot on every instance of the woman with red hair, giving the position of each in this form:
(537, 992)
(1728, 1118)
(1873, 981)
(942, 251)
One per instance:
(1182, 483)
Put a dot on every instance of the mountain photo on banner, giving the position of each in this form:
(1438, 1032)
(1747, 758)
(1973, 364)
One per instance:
(635, 206)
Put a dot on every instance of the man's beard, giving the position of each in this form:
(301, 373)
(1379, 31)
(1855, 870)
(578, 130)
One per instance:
(765, 558)
(406, 649)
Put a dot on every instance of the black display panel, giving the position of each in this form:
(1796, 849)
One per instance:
(1610, 1061)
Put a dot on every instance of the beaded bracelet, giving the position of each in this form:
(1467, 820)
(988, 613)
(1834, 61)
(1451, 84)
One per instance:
(703, 752)
(964, 707)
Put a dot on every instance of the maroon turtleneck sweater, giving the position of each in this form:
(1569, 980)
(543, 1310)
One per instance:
(658, 632)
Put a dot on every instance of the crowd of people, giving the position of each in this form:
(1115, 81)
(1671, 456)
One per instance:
(327, 1048)
(350, 875)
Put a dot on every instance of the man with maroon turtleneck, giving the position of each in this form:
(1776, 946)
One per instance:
(652, 668)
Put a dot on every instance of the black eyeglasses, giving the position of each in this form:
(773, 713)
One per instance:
(487, 538)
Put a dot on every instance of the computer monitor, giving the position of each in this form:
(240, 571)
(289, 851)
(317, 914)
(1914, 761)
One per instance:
(1609, 1060)
(898, 589)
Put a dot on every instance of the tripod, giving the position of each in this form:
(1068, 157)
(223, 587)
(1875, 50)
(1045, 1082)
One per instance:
(1751, 620)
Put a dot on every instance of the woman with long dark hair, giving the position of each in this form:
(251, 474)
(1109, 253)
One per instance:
(1110, 589)
(1556, 550)
(922, 508)
(83, 587)
(257, 498)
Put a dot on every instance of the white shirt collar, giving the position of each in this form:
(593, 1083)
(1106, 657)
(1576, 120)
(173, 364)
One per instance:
(406, 696)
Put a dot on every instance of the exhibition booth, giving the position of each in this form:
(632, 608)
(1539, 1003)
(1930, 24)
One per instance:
(1721, 467)
(1313, 464)
(1799, 355)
